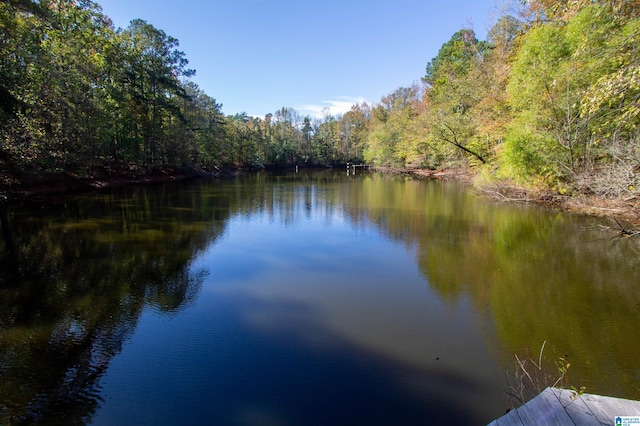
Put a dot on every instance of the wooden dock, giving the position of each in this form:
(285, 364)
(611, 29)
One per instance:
(564, 407)
(351, 168)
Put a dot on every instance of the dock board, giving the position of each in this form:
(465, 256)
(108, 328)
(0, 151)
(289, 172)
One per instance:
(564, 407)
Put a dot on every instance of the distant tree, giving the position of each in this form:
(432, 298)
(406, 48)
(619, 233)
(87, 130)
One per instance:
(389, 139)
(353, 129)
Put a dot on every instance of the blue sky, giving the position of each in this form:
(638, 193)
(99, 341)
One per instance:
(257, 56)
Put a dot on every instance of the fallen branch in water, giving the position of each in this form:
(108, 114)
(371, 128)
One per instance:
(621, 231)
(523, 195)
(626, 233)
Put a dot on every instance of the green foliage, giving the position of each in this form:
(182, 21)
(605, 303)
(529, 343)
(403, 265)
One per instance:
(556, 88)
(551, 102)
(454, 58)
(390, 141)
(78, 95)
(528, 156)
(611, 101)
(456, 79)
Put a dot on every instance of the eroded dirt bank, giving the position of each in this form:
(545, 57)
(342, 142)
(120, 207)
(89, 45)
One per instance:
(626, 210)
(50, 185)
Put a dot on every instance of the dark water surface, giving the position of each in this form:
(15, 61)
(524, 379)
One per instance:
(313, 298)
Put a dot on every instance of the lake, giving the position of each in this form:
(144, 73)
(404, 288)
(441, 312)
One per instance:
(309, 298)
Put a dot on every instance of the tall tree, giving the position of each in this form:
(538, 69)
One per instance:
(154, 68)
(452, 95)
(389, 140)
(53, 64)
(551, 139)
(353, 132)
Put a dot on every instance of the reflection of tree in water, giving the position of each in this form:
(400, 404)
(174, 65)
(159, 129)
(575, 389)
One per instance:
(177, 293)
(75, 276)
(535, 274)
(74, 279)
(62, 372)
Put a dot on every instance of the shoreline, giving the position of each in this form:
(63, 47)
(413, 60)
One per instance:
(68, 184)
(627, 209)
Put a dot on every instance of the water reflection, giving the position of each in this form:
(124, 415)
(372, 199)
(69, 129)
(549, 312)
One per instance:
(76, 275)
(538, 275)
(309, 298)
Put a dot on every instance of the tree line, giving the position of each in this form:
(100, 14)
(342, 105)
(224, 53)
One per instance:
(551, 99)
(79, 96)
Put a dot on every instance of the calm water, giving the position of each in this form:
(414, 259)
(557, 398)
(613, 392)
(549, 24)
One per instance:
(314, 298)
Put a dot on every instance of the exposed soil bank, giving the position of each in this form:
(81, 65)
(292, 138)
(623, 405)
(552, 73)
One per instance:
(625, 210)
(56, 184)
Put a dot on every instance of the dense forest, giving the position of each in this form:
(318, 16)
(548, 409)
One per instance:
(551, 100)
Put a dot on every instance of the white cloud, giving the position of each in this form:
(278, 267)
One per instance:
(337, 106)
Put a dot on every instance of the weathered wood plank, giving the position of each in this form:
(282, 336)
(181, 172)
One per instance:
(510, 419)
(544, 409)
(577, 408)
(563, 407)
(606, 408)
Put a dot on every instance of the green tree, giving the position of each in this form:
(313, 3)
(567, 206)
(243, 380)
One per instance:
(453, 93)
(286, 138)
(196, 138)
(454, 58)
(551, 140)
(353, 132)
(389, 139)
(327, 140)
(77, 96)
(53, 72)
(612, 101)
(154, 66)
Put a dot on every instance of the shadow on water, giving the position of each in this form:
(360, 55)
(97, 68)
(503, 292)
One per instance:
(537, 274)
(75, 276)
(79, 275)
(336, 381)
(291, 373)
